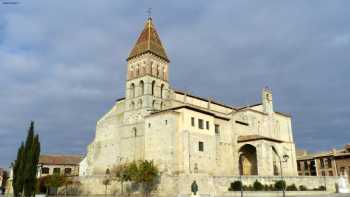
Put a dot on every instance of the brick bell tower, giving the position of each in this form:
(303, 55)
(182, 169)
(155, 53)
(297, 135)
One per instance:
(147, 86)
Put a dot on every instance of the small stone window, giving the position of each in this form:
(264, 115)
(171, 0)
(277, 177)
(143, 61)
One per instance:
(192, 121)
(200, 124)
(166, 122)
(201, 146)
(217, 129)
(149, 125)
(207, 125)
(323, 173)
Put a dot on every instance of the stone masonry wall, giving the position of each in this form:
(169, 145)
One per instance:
(171, 186)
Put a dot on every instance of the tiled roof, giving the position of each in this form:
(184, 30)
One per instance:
(60, 159)
(149, 41)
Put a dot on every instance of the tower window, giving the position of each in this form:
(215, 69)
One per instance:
(201, 146)
(142, 87)
(132, 105)
(161, 90)
(157, 74)
(200, 124)
(153, 86)
(137, 71)
(132, 90)
(207, 125)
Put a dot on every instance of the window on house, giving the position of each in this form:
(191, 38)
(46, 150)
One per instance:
(200, 123)
(322, 163)
(330, 173)
(323, 173)
(192, 121)
(329, 163)
(45, 170)
(67, 171)
(217, 129)
(300, 174)
(201, 146)
(207, 125)
(299, 166)
(307, 174)
(56, 171)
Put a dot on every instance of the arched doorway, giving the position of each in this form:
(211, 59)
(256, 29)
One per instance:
(247, 160)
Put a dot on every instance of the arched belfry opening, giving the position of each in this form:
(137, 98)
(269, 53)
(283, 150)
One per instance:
(248, 160)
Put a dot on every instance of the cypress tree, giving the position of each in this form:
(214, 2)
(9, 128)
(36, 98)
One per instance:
(25, 168)
(17, 183)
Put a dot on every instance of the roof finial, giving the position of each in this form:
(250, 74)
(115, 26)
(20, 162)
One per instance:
(149, 11)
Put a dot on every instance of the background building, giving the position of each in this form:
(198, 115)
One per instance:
(67, 165)
(335, 162)
(3, 179)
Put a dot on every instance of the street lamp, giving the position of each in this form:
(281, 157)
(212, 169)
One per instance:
(285, 159)
(241, 172)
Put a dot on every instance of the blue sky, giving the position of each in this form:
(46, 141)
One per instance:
(62, 63)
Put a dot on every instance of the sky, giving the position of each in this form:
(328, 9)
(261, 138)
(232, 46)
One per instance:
(63, 63)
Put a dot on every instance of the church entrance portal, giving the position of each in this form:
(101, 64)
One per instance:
(247, 160)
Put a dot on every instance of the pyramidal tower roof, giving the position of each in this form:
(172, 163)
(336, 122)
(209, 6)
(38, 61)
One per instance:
(148, 42)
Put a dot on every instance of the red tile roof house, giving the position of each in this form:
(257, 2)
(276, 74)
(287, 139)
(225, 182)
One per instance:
(67, 165)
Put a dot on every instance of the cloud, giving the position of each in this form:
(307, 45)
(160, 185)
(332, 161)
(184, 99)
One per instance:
(63, 64)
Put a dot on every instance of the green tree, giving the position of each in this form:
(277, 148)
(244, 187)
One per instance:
(25, 167)
(55, 181)
(147, 175)
(122, 173)
(17, 182)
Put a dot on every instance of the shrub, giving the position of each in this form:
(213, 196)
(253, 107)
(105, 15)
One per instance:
(302, 188)
(292, 188)
(235, 186)
(279, 185)
(257, 186)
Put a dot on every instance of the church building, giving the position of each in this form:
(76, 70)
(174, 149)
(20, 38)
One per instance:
(184, 133)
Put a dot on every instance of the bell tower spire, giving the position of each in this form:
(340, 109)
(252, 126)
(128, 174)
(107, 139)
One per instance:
(147, 87)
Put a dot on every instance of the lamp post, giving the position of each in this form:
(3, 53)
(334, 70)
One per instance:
(240, 172)
(285, 159)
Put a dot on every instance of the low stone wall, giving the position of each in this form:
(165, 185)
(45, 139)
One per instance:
(171, 186)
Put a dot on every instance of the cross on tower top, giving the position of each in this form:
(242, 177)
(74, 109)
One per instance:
(149, 11)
